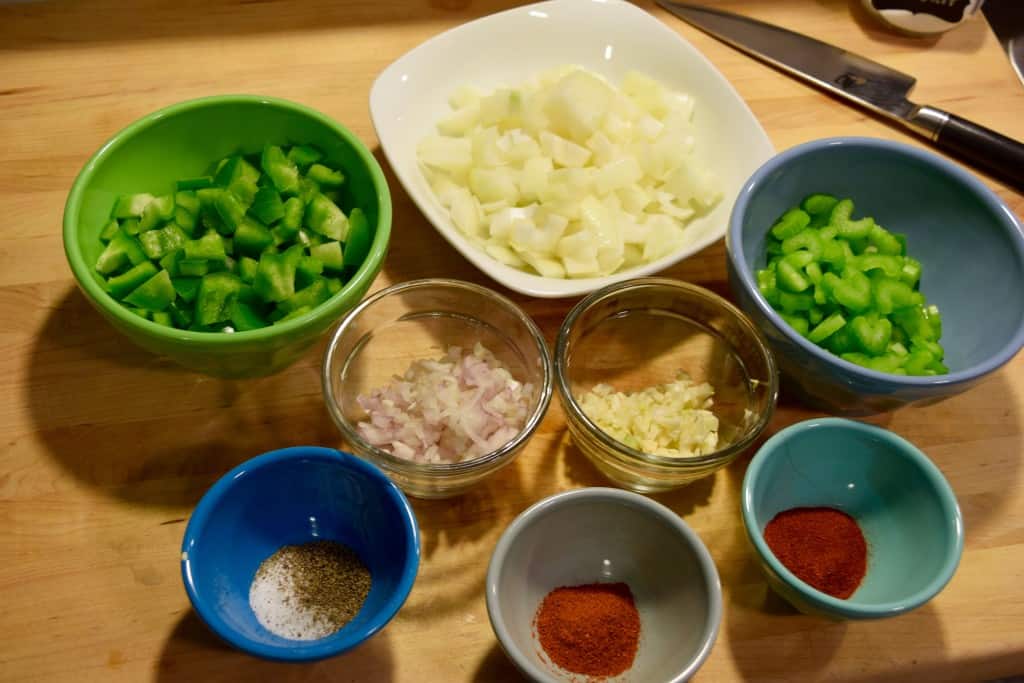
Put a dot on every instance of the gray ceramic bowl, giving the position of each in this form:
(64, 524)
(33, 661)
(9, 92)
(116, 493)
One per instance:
(602, 535)
(969, 242)
(903, 504)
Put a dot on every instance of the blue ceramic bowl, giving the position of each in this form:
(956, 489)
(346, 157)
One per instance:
(969, 242)
(903, 504)
(291, 496)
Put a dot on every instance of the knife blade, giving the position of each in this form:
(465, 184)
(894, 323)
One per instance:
(869, 84)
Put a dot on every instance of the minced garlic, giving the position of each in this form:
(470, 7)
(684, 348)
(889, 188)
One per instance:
(672, 420)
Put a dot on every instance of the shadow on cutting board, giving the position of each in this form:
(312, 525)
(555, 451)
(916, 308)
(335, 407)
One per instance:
(495, 667)
(146, 431)
(194, 653)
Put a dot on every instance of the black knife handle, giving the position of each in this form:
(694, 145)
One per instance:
(1003, 157)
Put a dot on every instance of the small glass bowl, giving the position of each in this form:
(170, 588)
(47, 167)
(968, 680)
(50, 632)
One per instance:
(641, 333)
(420, 319)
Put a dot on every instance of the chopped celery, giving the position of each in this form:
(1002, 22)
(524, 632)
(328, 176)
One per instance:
(847, 285)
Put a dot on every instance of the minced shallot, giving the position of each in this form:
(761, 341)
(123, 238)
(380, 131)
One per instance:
(453, 409)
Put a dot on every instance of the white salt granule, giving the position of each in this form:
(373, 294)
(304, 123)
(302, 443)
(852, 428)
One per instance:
(275, 601)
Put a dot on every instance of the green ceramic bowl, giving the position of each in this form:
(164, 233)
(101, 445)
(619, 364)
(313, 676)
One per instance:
(182, 141)
(903, 504)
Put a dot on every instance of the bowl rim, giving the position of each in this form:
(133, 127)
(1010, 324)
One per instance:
(572, 407)
(899, 447)
(363, 276)
(996, 206)
(338, 642)
(400, 465)
(522, 281)
(536, 512)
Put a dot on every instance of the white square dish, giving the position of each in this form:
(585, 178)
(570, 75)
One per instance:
(608, 37)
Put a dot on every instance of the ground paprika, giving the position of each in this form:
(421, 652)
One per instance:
(822, 546)
(592, 630)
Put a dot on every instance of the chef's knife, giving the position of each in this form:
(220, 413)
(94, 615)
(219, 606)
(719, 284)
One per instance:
(868, 83)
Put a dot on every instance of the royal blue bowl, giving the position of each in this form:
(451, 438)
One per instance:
(292, 496)
(969, 242)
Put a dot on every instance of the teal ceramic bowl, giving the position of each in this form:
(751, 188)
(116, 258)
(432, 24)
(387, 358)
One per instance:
(182, 141)
(903, 504)
(969, 242)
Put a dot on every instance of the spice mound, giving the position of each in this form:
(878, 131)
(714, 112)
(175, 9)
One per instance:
(309, 591)
(592, 630)
(822, 546)
(453, 409)
(673, 420)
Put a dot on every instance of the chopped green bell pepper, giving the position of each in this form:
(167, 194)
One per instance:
(120, 285)
(155, 294)
(216, 294)
(282, 171)
(275, 277)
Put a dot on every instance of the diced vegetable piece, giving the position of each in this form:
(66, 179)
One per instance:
(267, 206)
(185, 220)
(120, 252)
(186, 287)
(359, 240)
(791, 223)
(247, 269)
(216, 294)
(157, 243)
(190, 267)
(791, 279)
(109, 230)
(275, 277)
(209, 247)
(884, 241)
(163, 318)
(230, 209)
(304, 155)
(122, 284)
(181, 314)
(169, 262)
(325, 177)
(156, 212)
(819, 204)
(805, 239)
(195, 183)
(155, 294)
(827, 328)
(234, 169)
(324, 217)
(329, 254)
(292, 218)
(333, 285)
(282, 171)
(847, 227)
(307, 271)
(309, 297)
(244, 317)
(251, 238)
(132, 206)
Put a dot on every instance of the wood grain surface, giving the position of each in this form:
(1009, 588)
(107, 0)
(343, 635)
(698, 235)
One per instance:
(105, 449)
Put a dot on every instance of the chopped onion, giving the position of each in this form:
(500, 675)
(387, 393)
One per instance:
(452, 409)
(615, 166)
(672, 420)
